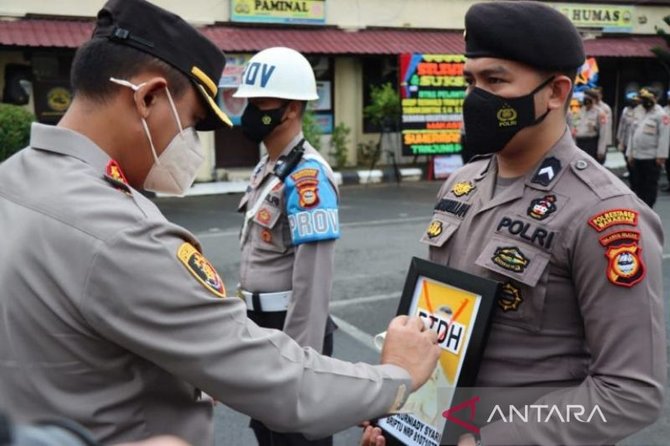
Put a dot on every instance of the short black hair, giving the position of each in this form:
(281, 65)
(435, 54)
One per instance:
(99, 59)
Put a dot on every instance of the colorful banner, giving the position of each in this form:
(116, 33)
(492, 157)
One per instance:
(311, 12)
(606, 17)
(587, 78)
(432, 90)
(452, 313)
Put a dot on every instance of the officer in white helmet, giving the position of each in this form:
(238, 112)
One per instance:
(291, 214)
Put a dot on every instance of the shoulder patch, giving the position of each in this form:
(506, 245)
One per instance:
(201, 269)
(311, 204)
(613, 217)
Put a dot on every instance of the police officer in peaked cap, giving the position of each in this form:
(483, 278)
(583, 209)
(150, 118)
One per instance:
(112, 316)
(578, 254)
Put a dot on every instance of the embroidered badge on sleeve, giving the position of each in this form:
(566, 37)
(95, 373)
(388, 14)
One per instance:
(311, 205)
(201, 269)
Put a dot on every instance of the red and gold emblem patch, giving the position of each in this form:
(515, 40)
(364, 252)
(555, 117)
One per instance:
(266, 236)
(613, 217)
(264, 216)
(114, 175)
(201, 269)
(307, 184)
(625, 267)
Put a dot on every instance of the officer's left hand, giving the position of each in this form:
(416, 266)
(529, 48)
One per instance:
(660, 161)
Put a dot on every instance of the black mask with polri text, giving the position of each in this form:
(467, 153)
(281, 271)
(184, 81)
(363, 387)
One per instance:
(491, 121)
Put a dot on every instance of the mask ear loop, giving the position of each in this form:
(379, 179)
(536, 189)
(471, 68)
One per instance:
(135, 88)
(540, 87)
(174, 110)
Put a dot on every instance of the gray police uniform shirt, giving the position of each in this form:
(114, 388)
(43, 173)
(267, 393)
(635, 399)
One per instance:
(290, 244)
(650, 134)
(608, 125)
(592, 124)
(112, 316)
(580, 259)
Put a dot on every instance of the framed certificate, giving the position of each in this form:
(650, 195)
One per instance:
(458, 306)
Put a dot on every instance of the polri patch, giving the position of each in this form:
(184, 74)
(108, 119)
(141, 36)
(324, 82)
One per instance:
(625, 267)
(510, 298)
(201, 269)
(547, 171)
(541, 208)
(613, 217)
(510, 258)
(463, 188)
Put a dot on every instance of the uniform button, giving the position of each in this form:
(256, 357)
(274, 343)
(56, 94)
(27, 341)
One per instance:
(581, 165)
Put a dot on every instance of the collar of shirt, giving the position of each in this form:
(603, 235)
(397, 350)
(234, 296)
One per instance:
(269, 165)
(68, 142)
(563, 152)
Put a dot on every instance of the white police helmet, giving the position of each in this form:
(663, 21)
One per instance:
(278, 73)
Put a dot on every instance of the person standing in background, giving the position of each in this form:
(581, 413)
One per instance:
(590, 127)
(647, 150)
(291, 214)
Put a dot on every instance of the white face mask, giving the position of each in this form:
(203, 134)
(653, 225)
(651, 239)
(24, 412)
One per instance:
(175, 169)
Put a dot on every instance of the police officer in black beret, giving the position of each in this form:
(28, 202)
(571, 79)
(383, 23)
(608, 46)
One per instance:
(580, 322)
(111, 315)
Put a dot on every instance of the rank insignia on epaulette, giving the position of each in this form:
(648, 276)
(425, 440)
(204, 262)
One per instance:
(114, 176)
(462, 188)
(201, 269)
(547, 171)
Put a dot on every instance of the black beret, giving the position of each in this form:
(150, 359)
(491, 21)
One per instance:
(166, 36)
(523, 31)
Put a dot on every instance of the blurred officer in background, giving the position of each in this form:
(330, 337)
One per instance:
(112, 316)
(666, 109)
(608, 113)
(291, 213)
(626, 120)
(591, 127)
(647, 149)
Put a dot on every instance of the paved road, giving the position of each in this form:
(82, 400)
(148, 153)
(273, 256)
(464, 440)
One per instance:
(381, 225)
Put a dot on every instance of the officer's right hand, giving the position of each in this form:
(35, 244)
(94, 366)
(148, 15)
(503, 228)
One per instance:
(410, 345)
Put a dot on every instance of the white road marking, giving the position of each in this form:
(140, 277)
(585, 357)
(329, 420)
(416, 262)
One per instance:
(363, 300)
(355, 332)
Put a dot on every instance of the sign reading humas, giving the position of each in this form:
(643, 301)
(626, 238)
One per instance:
(311, 12)
(606, 17)
(432, 91)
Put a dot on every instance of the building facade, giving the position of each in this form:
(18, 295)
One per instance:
(352, 44)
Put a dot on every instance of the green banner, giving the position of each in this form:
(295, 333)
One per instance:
(606, 17)
(312, 12)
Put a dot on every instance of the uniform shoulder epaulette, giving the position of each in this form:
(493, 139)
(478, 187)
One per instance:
(600, 180)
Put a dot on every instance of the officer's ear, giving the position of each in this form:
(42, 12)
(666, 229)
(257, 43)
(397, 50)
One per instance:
(146, 95)
(294, 110)
(561, 91)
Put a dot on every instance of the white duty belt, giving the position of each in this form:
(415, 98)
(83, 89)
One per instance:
(266, 302)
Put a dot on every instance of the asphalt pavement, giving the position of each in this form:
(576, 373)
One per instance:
(381, 225)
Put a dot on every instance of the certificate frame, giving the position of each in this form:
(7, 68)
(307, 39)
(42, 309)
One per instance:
(462, 305)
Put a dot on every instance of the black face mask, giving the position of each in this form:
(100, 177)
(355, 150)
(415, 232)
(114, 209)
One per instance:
(491, 121)
(257, 123)
(647, 103)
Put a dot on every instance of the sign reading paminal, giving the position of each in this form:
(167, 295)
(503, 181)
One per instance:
(312, 12)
